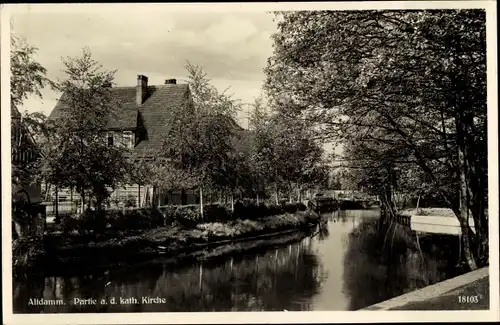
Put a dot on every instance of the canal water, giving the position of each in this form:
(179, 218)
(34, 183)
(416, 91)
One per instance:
(347, 265)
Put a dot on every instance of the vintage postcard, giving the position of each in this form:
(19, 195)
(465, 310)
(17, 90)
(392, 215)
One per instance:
(256, 163)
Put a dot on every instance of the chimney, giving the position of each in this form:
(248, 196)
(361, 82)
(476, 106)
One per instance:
(171, 82)
(142, 88)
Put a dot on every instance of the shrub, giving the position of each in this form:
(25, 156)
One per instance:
(134, 219)
(26, 252)
(216, 213)
(126, 219)
(250, 210)
(185, 215)
(130, 201)
(93, 220)
(189, 215)
(70, 223)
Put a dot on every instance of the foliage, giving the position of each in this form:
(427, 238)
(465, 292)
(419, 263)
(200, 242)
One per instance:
(186, 216)
(244, 226)
(26, 252)
(27, 77)
(284, 152)
(207, 99)
(199, 145)
(77, 153)
(404, 90)
(128, 219)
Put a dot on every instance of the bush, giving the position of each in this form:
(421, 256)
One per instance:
(127, 219)
(185, 215)
(27, 252)
(134, 219)
(189, 215)
(130, 201)
(252, 211)
(216, 213)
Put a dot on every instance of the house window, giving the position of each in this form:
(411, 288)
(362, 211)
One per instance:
(110, 139)
(128, 139)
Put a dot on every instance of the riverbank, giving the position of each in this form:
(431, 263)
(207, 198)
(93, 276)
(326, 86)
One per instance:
(70, 252)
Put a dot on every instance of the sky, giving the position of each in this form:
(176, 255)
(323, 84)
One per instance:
(232, 47)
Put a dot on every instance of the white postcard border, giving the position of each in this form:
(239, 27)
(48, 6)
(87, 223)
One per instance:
(255, 317)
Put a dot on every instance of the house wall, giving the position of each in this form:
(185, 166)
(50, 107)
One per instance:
(131, 193)
(145, 195)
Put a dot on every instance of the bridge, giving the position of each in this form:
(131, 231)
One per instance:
(329, 203)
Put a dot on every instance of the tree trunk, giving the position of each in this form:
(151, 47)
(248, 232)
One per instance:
(47, 192)
(159, 197)
(71, 198)
(57, 203)
(463, 216)
(138, 195)
(232, 202)
(277, 195)
(258, 199)
(82, 203)
(183, 197)
(201, 201)
(298, 194)
(463, 209)
(388, 201)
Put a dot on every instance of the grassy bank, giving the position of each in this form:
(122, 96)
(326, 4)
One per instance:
(114, 246)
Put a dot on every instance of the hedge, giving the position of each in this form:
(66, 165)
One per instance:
(135, 218)
(190, 214)
(185, 215)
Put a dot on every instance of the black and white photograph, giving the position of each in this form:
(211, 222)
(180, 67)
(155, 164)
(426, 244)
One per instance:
(193, 160)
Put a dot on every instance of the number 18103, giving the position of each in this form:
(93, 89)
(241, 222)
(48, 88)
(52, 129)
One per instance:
(468, 299)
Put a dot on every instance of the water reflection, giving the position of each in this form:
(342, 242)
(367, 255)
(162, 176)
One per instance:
(342, 267)
(280, 279)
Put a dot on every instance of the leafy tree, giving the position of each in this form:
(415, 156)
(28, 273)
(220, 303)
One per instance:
(78, 154)
(301, 157)
(261, 142)
(406, 88)
(284, 152)
(264, 155)
(27, 77)
(200, 142)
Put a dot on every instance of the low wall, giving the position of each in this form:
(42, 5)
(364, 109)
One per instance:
(432, 291)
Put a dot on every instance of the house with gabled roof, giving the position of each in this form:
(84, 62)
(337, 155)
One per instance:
(140, 123)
